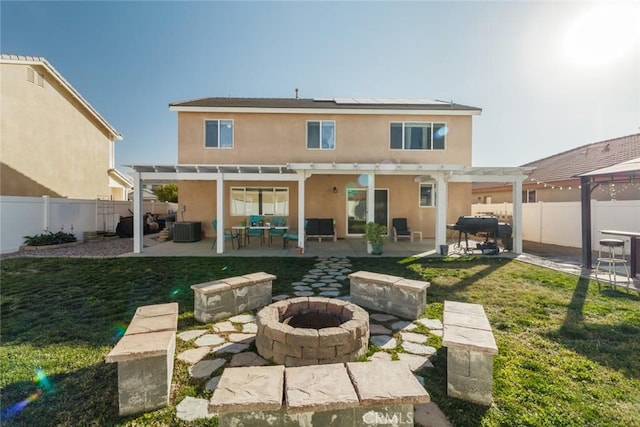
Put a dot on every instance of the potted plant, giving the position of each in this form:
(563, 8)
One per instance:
(375, 234)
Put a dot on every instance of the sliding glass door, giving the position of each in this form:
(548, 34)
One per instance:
(357, 209)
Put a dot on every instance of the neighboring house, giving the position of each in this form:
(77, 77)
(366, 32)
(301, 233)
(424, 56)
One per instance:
(53, 142)
(556, 178)
(352, 160)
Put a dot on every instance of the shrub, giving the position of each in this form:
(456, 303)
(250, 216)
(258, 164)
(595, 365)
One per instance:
(49, 238)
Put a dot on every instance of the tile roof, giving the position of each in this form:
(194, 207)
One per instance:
(571, 163)
(326, 103)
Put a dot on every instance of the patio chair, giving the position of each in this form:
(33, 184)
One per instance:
(255, 220)
(400, 229)
(228, 234)
(277, 221)
(290, 234)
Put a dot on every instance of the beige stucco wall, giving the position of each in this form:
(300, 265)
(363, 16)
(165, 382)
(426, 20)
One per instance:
(281, 138)
(49, 144)
(264, 139)
(199, 198)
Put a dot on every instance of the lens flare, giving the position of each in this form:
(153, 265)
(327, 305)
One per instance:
(13, 410)
(174, 293)
(441, 132)
(120, 329)
(224, 268)
(41, 379)
(363, 180)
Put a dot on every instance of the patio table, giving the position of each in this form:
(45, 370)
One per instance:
(241, 230)
(634, 237)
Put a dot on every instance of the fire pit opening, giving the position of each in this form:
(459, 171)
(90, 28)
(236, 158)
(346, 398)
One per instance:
(313, 320)
(314, 330)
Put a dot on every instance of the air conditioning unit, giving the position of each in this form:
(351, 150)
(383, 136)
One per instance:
(184, 231)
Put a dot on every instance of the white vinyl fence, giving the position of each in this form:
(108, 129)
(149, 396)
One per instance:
(28, 216)
(560, 223)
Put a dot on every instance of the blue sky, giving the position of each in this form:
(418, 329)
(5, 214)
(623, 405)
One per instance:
(549, 76)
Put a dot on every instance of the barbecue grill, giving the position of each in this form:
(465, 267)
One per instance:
(484, 226)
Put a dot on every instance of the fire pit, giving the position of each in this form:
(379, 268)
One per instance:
(310, 331)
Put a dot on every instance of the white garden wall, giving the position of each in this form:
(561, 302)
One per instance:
(560, 223)
(28, 216)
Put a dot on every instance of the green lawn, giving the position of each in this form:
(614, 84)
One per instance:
(569, 354)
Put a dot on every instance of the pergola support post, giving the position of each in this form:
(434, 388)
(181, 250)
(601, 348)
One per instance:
(585, 205)
(220, 214)
(138, 226)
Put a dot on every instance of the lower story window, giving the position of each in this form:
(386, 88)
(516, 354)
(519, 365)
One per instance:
(427, 195)
(247, 201)
(529, 196)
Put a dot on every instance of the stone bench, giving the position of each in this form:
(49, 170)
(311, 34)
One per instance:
(389, 294)
(223, 298)
(145, 356)
(351, 394)
(470, 349)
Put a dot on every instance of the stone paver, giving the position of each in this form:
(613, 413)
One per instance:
(318, 285)
(212, 383)
(380, 355)
(190, 335)
(429, 415)
(329, 293)
(209, 340)
(194, 355)
(280, 297)
(204, 368)
(376, 329)
(401, 324)
(242, 318)
(191, 409)
(413, 337)
(420, 379)
(243, 338)
(431, 323)
(255, 388)
(414, 361)
(224, 327)
(436, 332)
(379, 317)
(230, 348)
(303, 293)
(248, 358)
(384, 341)
(424, 350)
(250, 328)
(319, 387)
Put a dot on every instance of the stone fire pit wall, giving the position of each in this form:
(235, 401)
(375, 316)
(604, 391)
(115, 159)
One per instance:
(289, 346)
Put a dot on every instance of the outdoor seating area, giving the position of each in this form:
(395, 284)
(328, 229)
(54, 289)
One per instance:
(471, 347)
(316, 395)
(320, 228)
(145, 357)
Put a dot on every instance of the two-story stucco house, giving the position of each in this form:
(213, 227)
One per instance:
(54, 142)
(352, 160)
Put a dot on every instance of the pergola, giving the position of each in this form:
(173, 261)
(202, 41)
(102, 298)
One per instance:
(441, 174)
(619, 173)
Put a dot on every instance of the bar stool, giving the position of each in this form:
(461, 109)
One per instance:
(610, 255)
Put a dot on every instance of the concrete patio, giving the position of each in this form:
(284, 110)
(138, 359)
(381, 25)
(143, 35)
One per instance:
(349, 247)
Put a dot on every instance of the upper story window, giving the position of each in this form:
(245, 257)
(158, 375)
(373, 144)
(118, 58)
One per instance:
(321, 135)
(417, 136)
(218, 133)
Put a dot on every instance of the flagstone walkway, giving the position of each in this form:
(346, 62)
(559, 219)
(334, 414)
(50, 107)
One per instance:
(229, 341)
